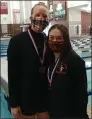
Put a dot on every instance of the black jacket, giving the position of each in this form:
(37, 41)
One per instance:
(28, 88)
(68, 92)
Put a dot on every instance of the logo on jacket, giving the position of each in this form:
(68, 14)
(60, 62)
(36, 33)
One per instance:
(62, 69)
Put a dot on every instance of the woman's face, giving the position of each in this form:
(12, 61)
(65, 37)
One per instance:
(39, 18)
(56, 40)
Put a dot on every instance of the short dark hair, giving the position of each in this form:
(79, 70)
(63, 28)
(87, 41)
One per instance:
(38, 4)
(66, 38)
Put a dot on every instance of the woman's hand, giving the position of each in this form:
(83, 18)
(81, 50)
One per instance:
(16, 112)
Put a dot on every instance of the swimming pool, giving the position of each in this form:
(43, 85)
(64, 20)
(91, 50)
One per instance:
(3, 47)
(4, 108)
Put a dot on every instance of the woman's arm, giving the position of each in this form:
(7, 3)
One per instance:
(80, 82)
(13, 72)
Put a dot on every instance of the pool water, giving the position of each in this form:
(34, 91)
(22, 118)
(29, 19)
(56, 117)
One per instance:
(4, 108)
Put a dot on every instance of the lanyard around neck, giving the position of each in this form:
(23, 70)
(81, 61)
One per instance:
(44, 51)
(48, 72)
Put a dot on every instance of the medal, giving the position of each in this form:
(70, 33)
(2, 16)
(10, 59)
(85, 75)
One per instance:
(51, 76)
(44, 51)
(42, 69)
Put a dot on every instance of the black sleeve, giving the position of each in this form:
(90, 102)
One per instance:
(81, 97)
(13, 72)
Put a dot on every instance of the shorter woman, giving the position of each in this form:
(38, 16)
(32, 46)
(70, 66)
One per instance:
(66, 76)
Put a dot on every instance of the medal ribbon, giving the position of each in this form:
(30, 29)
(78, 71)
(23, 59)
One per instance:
(44, 51)
(51, 76)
